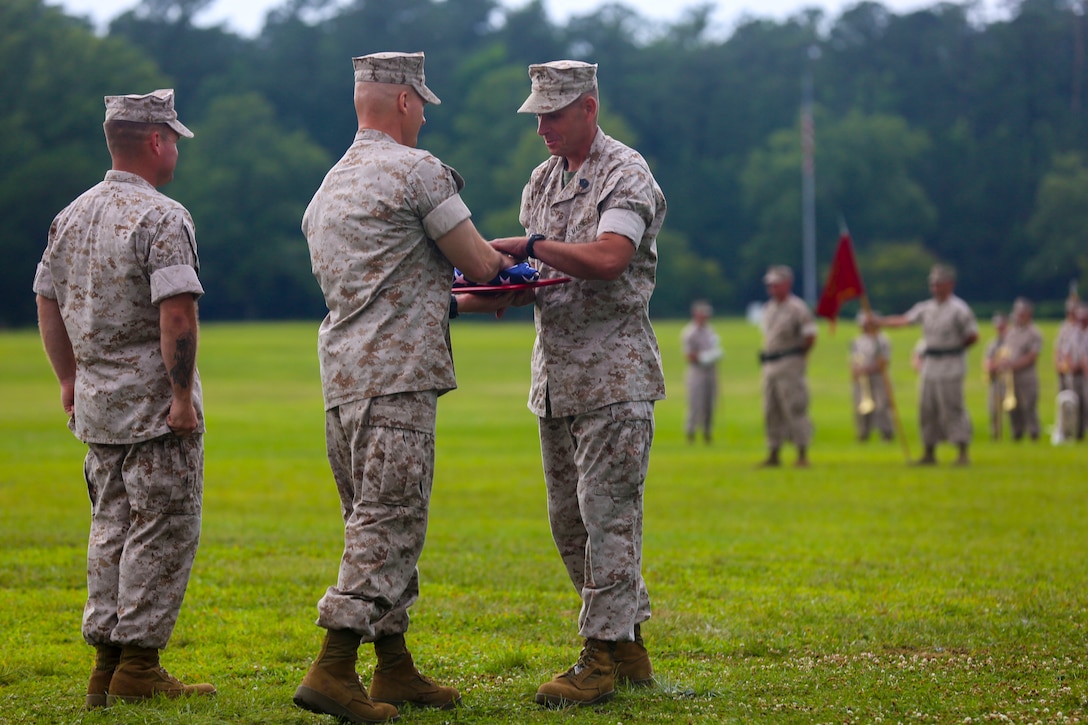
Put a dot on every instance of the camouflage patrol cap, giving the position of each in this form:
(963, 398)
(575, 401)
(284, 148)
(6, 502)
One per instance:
(154, 107)
(942, 273)
(778, 273)
(558, 84)
(400, 69)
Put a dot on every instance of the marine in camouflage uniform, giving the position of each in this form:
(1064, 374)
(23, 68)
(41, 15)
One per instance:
(1065, 343)
(949, 328)
(870, 353)
(789, 332)
(1024, 342)
(1080, 369)
(593, 211)
(116, 290)
(702, 350)
(384, 230)
(996, 353)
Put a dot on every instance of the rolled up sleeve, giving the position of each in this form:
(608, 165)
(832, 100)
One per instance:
(172, 281)
(624, 222)
(445, 217)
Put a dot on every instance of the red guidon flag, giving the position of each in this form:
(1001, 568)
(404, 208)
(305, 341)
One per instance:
(843, 281)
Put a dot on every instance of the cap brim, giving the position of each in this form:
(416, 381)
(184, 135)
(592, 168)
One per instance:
(180, 127)
(537, 103)
(427, 94)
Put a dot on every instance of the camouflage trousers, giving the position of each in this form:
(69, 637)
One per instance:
(146, 503)
(880, 418)
(942, 415)
(995, 402)
(702, 385)
(785, 410)
(595, 468)
(1024, 418)
(381, 451)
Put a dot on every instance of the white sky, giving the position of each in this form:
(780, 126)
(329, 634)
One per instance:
(247, 16)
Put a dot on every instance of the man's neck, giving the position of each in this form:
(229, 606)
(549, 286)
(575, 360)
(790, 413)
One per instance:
(574, 162)
(391, 130)
(136, 169)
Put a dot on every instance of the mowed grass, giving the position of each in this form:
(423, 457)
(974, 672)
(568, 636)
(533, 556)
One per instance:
(861, 590)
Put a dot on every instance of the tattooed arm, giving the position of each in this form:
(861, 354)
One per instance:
(178, 335)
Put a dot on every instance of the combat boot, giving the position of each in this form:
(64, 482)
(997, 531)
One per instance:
(590, 681)
(332, 686)
(106, 659)
(140, 677)
(397, 681)
(633, 662)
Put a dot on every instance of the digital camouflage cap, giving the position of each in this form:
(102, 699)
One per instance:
(558, 84)
(401, 69)
(778, 273)
(154, 107)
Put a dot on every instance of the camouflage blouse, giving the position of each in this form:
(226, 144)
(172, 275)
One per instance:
(113, 254)
(370, 229)
(595, 345)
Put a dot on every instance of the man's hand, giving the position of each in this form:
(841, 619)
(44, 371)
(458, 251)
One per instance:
(68, 396)
(182, 418)
(512, 246)
(496, 302)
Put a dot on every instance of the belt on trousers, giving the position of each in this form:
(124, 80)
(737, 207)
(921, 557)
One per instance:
(942, 351)
(770, 356)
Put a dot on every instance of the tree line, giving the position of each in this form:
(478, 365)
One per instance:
(940, 135)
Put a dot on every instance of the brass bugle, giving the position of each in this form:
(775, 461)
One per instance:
(866, 404)
(1009, 402)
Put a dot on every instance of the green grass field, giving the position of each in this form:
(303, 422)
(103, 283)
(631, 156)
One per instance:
(858, 591)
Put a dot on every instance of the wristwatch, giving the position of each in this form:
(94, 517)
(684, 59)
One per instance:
(533, 239)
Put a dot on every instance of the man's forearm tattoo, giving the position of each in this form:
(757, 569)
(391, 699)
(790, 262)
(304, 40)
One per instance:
(184, 360)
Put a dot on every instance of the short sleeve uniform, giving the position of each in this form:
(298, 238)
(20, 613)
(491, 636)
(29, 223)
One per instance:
(595, 345)
(370, 229)
(945, 326)
(113, 255)
(785, 326)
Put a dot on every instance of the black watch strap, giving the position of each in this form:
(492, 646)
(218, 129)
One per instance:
(533, 239)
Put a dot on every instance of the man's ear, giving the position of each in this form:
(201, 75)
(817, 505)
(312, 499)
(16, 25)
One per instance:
(589, 104)
(154, 142)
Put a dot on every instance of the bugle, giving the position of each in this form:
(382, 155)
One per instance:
(866, 404)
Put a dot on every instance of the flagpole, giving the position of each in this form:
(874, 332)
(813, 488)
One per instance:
(808, 183)
(885, 376)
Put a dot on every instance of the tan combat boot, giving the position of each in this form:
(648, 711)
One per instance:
(332, 687)
(591, 681)
(139, 677)
(106, 659)
(633, 662)
(397, 681)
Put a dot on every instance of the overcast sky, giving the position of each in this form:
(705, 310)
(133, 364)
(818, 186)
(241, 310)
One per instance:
(247, 16)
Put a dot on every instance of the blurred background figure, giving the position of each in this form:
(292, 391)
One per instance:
(702, 350)
(996, 352)
(789, 332)
(1069, 365)
(1023, 342)
(870, 353)
(949, 328)
(1079, 365)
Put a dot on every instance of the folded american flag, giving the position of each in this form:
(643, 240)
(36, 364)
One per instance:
(518, 274)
